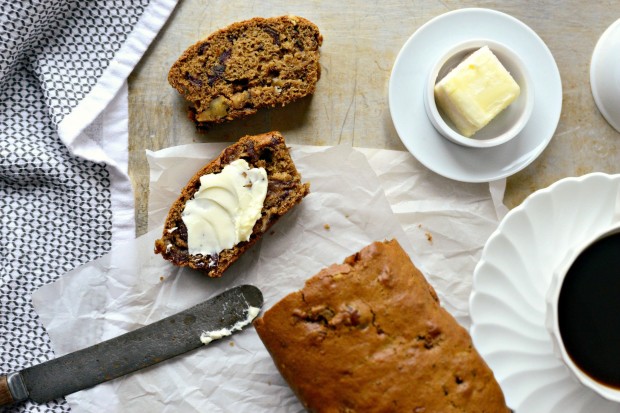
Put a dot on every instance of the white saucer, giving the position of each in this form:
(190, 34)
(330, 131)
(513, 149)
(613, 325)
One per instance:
(406, 89)
(605, 74)
(507, 304)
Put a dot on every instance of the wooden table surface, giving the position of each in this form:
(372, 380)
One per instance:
(361, 41)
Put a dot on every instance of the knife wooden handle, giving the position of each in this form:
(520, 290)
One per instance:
(5, 394)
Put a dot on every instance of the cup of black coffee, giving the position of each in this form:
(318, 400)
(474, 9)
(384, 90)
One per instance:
(583, 312)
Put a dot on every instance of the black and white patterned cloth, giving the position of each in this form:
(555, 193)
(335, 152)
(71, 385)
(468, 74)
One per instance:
(64, 192)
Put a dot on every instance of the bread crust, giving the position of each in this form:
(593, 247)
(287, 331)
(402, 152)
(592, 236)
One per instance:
(284, 191)
(369, 335)
(256, 63)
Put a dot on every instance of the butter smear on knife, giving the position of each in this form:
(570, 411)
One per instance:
(208, 336)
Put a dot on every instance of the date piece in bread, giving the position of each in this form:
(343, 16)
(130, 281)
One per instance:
(261, 62)
(284, 191)
(369, 335)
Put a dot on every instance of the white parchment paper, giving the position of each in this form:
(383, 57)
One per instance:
(357, 196)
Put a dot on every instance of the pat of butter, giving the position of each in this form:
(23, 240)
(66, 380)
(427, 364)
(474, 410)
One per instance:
(225, 208)
(476, 91)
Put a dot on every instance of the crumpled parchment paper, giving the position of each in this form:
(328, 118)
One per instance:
(357, 196)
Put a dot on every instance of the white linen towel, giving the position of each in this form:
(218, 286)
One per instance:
(65, 196)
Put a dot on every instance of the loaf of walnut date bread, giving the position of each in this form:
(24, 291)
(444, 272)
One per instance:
(369, 335)
(282, 186)
(261, 62)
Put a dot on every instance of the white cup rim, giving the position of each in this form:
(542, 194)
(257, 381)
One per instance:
(552, 321)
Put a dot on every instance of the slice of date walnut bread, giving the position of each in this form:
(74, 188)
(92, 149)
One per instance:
(230, 203)
(248, 65)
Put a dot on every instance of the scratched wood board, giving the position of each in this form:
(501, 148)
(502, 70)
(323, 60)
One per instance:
(350, 106)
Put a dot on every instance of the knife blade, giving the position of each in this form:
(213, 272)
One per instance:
(135, 350)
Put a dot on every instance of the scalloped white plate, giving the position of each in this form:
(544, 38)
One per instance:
(507, 303)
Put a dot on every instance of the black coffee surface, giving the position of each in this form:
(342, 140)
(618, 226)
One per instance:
(589, 311)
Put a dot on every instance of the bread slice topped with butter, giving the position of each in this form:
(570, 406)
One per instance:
(230, 203)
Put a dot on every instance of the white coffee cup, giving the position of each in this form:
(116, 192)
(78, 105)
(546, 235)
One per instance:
(552, 317)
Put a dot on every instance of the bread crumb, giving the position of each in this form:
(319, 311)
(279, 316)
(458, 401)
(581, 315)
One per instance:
(429, 237)
(327, 227)
(427, 234)
(232, 344)
(161, 278)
